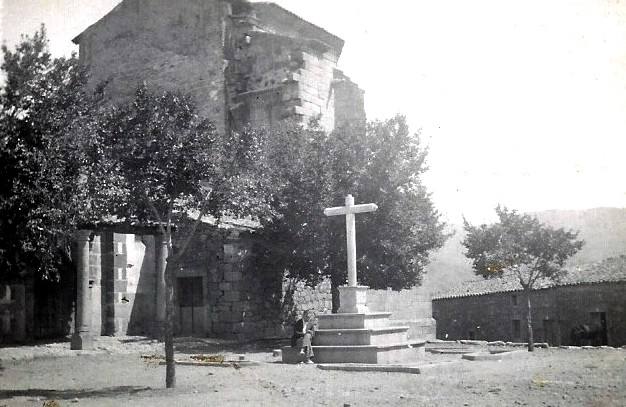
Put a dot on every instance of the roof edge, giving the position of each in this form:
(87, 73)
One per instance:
(572, 284)
(340, 42)
(76, 40)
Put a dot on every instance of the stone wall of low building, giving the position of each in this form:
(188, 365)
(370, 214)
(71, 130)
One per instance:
(411, 307)
(555, 312)
(247, 303)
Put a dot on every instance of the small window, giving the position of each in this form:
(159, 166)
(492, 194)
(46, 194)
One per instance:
(517, 332)
(514, 299)
(471, 335)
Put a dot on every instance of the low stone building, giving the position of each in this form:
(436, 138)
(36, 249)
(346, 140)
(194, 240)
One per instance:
(593, 296)
(219, 292)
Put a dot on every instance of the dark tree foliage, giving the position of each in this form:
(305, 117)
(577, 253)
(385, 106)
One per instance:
(47, 182)
(314, 170)
(520, 246)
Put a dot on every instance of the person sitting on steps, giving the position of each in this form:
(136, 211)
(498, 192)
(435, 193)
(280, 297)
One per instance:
(303, 332)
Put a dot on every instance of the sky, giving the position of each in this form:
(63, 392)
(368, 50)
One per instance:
(520, 103)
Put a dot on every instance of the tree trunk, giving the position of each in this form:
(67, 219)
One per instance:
(170, 365)
(168, 337)
(531, 341)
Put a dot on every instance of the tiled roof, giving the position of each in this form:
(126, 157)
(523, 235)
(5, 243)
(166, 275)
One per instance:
(609, 270)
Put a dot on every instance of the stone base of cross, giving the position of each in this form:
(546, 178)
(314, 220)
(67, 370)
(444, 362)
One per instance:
(352, 297)
(353, 300)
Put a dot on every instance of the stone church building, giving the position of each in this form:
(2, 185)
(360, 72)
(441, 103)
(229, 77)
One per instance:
(245, 64)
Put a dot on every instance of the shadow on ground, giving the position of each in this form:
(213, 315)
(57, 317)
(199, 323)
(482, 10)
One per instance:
(36, 342)
(72, 393)
(191, 345)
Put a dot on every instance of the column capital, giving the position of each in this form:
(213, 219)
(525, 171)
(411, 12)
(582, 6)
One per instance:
(83, 235)
(161, 238)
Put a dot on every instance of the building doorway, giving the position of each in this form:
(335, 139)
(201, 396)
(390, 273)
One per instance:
(190, 306)
(598, 326)
(549, 332)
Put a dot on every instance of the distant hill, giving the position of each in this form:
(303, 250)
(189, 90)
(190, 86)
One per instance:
(602, 229)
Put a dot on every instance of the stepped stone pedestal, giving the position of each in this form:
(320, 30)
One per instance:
(356, 335)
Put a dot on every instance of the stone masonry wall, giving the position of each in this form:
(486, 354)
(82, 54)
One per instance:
(272, 77)
(408, 307)
(243, 302)
(349, 102)
(555, 312)
(244, 63)
(169, 45)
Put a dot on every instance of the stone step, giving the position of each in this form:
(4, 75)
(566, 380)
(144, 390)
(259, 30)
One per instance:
(392, 353)
(353, 321)
(361, 336)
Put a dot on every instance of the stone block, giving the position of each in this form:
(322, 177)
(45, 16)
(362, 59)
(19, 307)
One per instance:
(233, 276)
(232, 296)
(353, 321)
(291, 355)
(120, 286)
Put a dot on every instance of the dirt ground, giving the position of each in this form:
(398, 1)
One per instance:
(116, 375)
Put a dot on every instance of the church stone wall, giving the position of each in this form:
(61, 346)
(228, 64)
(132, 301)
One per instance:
(271, 77)
(244, 63)
(349, 102)
(174, 45)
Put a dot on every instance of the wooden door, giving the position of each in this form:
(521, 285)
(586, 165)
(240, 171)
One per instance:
(190, 306)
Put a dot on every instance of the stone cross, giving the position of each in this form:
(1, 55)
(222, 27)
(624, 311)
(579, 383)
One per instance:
(349, 210)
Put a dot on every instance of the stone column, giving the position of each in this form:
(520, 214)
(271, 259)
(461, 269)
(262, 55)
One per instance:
(160, 256)
(81, 339)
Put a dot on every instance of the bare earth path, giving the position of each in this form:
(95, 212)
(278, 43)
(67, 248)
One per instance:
(118, 376)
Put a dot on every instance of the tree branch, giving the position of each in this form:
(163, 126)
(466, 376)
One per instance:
(155, 213)
(196, 223)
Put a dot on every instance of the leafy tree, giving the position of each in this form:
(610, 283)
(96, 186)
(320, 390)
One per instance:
(49, 184)
(173, 164)
(520, 246)
(383, 165)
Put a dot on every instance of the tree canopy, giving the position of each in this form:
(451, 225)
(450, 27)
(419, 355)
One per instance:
(381, 164)
(522, 247)
(48, 183)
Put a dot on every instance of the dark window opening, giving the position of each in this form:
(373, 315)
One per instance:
(514, 299)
